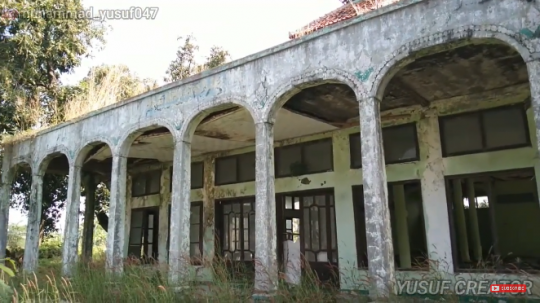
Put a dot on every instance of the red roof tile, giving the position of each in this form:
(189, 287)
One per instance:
(348, 11)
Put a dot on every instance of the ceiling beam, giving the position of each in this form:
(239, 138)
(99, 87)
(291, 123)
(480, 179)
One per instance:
(419, 99)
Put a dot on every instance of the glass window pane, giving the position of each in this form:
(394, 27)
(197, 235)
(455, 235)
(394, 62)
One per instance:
(287, 158)
(150, 250)
(252, 232)
(315, 236)
(226, 170)
(318, 156)
(400, 143)
(288, 202)
(505, 127)
(134, 251)
(150, 236)
(135, 236)
(136, 218)
(197, 175)
(194, 233)
(138, 187)
(333, 227)
(247, 167)
(154, 182)
(356, 150)
(194, 250)
(195, 217)
(461, 134)
(322, 232)
(151, 220)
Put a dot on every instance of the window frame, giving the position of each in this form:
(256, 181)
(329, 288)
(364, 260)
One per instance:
(219, 230)
(405, 125)
(191, 181)
(144, 231)
(237, 167)
(201, 230)
(302, 147)
(147, 180)
(480, 118)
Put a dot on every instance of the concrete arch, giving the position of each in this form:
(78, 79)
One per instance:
(402, 56)
(130, 133)
(195, 117)
(40, 165)
(309, 79)
(85, 148)
(9, 175)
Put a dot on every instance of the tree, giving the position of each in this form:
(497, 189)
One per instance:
(34, 52)
(185, 63)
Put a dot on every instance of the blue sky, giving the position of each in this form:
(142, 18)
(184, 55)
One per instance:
(242, 27)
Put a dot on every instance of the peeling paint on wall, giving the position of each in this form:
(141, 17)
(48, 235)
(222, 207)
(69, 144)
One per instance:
(364, 75)
(161, 105)
(529, 33)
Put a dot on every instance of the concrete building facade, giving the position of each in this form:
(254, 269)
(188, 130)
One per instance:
(358, 146)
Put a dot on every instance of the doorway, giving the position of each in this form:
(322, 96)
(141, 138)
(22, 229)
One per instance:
(307, 234)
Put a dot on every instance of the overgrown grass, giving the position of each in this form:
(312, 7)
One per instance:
(149, 283)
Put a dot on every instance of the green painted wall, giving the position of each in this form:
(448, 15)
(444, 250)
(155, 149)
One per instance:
(343, 178)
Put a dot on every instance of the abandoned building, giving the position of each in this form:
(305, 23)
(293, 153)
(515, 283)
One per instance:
(388, 144)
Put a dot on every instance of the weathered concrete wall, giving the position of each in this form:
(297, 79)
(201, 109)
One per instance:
(363, 53)
(430, 170)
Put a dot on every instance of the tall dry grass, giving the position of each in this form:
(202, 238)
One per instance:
(148, 283)
(101, 90)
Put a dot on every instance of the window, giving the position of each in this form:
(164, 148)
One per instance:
(235, 224)
(235, 169)
(197, 175)
(409, 227)
(400, 145)
(482, 131)
(147, 183)
(495, 222)
(143, 235)
(195, 232)
(304, 158)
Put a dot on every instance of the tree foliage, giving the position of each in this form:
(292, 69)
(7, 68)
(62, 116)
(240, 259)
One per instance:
(34, 52)
(185, 64)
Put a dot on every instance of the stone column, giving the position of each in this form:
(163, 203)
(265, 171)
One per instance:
(434, 198)
(266, 269)
(473, 221)
(378, 230)
(209, 210)
(5, 197)
(179, 258)
(400, 207)
(117, 215)
(31, 248)
(460, 221)
(71, 230)
(533, 68)
(165, 197)
(89, 214)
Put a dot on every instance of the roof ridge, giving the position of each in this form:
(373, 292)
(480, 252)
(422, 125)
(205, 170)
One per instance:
(347, 11)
